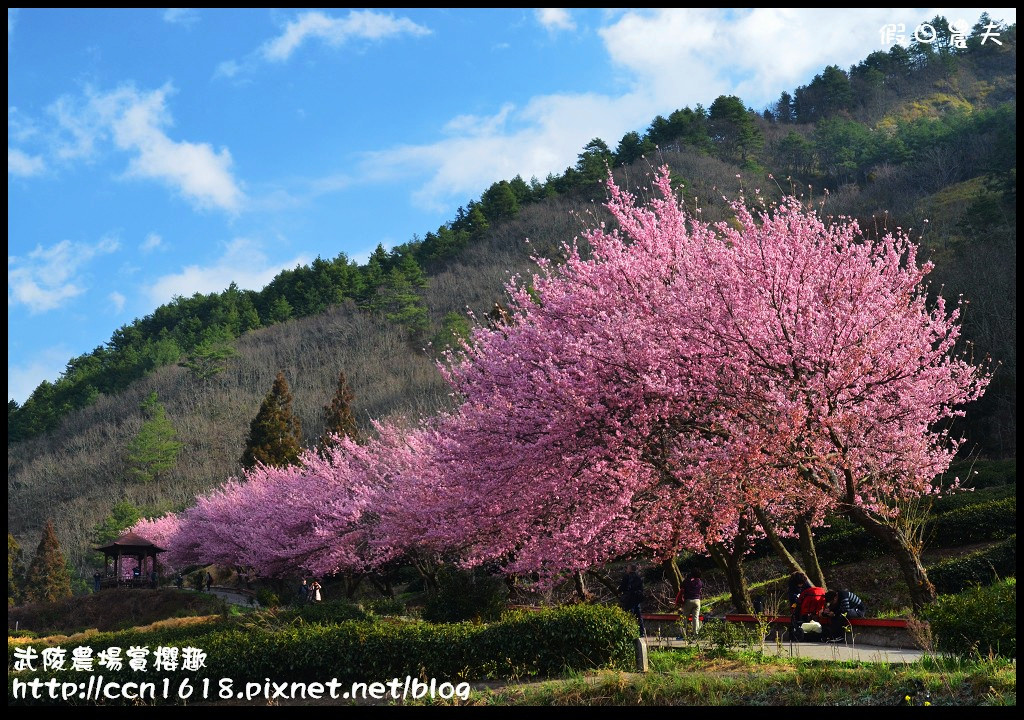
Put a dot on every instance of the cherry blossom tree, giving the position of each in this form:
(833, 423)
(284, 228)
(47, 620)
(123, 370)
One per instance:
(648, 394)
(670, 384)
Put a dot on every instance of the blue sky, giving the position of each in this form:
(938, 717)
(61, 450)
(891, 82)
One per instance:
(162, 152)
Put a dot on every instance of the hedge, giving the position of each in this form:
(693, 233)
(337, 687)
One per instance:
(521, 644)
(976, 622)
(983, 567)
(992, 520)
(974, 497)
(985, 473)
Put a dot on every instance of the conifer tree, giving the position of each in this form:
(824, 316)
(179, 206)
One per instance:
(47, 579)
(340, 421)
(155, 449)
(275, 434)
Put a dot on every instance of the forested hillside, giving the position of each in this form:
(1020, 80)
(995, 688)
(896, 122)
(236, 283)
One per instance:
(921, 138)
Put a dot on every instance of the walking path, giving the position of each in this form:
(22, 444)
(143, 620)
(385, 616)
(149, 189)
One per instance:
(820, 651)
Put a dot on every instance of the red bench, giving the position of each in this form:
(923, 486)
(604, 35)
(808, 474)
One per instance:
(856, 622)
(884, 632)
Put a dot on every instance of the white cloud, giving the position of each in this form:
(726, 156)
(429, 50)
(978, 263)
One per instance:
(243, 262)
(22, 164)
(542, 137)
(227, 69)
(151, 243)
(181, 16)
(668, 59)
(554, 19)
(79, 129)
(136, 121)
(358, 24)
(117, 300)
(47, 277)
(47, 364)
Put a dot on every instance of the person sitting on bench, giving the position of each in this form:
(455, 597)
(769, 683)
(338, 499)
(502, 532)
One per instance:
(842, 605)
(810, 603)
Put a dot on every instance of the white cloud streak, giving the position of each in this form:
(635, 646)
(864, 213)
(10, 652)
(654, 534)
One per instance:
(21, 164)
(554, 19)
(117, 300)
(335, 31)
(243, 262)
(181, 16)
(47, 277)
(152, 242)
(136, 123)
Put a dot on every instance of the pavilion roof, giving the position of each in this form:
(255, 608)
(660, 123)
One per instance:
(130, 543)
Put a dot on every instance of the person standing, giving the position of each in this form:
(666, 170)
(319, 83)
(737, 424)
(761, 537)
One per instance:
(314, 591)
(689, 595)
(632, 591)
(209, 581)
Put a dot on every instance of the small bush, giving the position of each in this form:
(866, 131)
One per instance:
(978, 621)
(463, 595)
(267, 598)
(22, 634)
(326, 613)
(978, 568)
(385, 606)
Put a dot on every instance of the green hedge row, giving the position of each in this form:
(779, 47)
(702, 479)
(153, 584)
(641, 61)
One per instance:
(985, 473)
(973, 517)
(324, 613)
(974, 497)
(983, 567)
(992, 520)
(521, 644)
(976, 622)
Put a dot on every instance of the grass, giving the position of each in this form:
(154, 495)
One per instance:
(737, 678)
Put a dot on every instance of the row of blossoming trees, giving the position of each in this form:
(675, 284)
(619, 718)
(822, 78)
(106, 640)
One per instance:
(671, 385)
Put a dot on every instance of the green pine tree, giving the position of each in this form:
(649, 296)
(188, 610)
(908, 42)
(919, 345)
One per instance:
(275, 434)
(154, 449)
(47, 579)
(399, 303)
(340, 420)
(122, 516)
(210, 356)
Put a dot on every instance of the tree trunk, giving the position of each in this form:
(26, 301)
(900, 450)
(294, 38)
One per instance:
(675, 575)
(773, 537)
(922, 592)
(731, 563)
(604, 580)
(581, 585)
(352, 583)
(809, 552)
(383, 586)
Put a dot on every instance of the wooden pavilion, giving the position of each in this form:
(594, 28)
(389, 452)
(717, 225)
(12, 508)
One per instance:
(134, 546)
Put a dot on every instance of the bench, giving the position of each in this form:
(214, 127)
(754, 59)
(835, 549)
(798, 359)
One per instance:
(883, 632)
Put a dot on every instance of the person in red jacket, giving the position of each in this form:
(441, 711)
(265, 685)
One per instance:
(810, 604)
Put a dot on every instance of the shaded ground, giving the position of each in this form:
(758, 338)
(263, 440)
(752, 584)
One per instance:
(111, 609)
